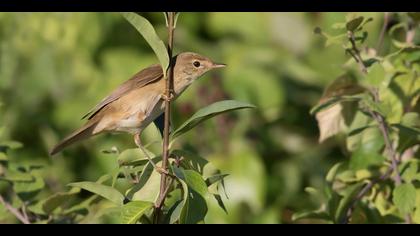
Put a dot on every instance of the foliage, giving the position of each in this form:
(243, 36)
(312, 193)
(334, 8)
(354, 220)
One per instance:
(375, 105)
(55, 66)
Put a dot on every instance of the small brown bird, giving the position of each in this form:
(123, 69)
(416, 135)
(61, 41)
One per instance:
(140, 100)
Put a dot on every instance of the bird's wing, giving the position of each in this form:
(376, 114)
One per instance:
(142, 78)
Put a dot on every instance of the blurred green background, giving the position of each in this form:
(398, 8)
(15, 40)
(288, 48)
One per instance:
(54, 67)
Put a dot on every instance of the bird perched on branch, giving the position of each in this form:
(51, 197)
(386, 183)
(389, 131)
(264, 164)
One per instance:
(139, 101)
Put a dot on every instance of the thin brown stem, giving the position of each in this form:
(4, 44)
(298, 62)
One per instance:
(168, 93)
(392, 153)
(383, 126)
(383, 31)
(14, 211)
(363, 192)
(355, 52)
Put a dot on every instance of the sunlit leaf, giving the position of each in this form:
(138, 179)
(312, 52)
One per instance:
(215, 178)
(11, 144)
(333, 172)
(104, 191)
(147, 189)
(329, 122)
(13, 175)
(28, 189)
(346, 201)
(3, 157)
(311, 215)
(410, 172)
(376, 75)
(209, 112)
(195, 192)
(132, 211)
(368, 154)
(145, 28)
(404, 197)
(133, 156)
(58, 199)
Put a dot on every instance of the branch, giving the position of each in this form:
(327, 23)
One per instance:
(363, 192)
(383, 31)
(355, 52)
(383, 126)
(168, 94)
(392, 155)
(14, 211)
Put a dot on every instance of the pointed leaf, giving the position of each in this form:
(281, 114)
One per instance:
(102, 190)
(194, 207)
(58, 199)
(329, 122)
(215, 178)
(209, 112)
(3, 156)
(134, 156)
(145, 28)
(132, 211)
(404, 197)
(353, 24)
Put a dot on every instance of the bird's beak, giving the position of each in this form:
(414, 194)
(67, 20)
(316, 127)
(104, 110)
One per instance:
(218, 65)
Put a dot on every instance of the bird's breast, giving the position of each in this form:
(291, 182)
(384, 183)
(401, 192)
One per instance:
(138, 110)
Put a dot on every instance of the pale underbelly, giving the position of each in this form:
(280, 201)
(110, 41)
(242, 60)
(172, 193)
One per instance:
(139, 120)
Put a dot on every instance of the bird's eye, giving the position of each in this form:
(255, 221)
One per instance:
(196, 64)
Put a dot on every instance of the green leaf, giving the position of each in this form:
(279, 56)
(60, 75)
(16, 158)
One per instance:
(209, 112)
(82, 206)
(195, 162)
(368, 154)
(148, 187)
(347, 199)
(3, 156)
(194, 206)
(57, 199)
(220, 202)
(36, 184)
(343, 89)
(132, 211)
(332, 173)
(359, 130)
(367, 102)
(13, 175)
(26, 190)
(132, 157)
(102, 190)
(215, 178)
(411, 120)
(11, 144)
(311, 215)
(353, 24)
(408, 137)
(404, 197)
(333, 101)
(145, 28)
(376, 75)
(410, 171)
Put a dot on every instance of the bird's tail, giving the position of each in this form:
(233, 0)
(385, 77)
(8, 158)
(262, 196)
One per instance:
(80, 134)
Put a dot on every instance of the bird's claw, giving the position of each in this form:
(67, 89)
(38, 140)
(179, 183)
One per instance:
(160, 170)
(171, 96)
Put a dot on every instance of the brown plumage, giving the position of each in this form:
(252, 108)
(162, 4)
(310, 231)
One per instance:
(139, 101)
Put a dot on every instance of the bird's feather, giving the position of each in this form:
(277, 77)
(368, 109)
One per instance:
(141, 79)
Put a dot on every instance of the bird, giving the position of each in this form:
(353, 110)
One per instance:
(139, 101)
